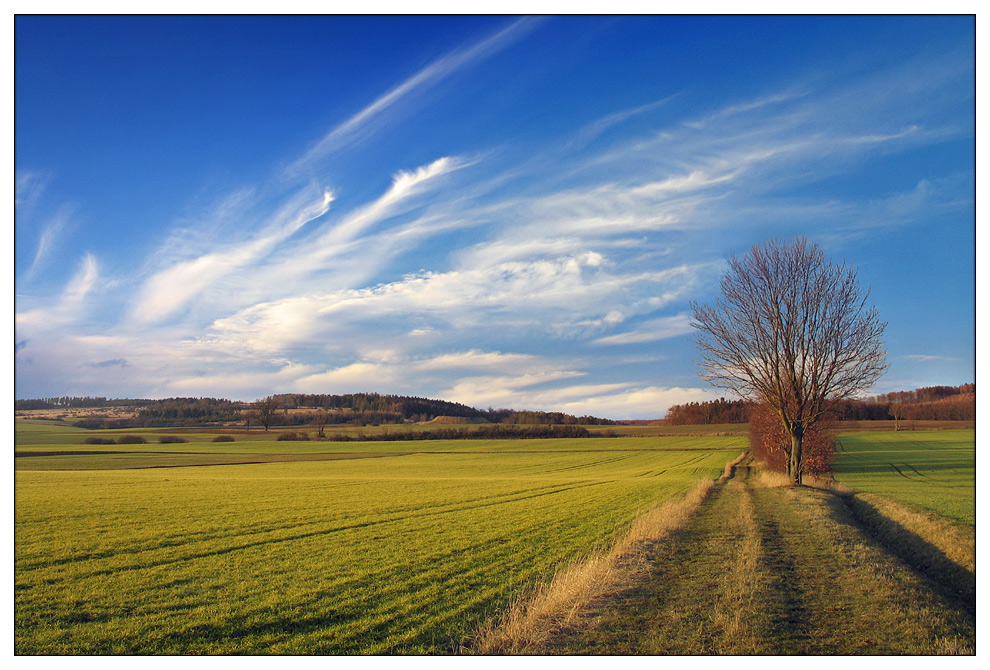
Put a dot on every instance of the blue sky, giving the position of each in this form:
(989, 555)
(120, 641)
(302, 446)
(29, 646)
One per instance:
(500, 211)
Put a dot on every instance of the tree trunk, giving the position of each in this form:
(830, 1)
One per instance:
(795, 466)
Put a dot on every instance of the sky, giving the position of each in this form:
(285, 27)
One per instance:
(502, 211)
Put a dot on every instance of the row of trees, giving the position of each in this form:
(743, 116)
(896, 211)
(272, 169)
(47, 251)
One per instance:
(927, 394)
(955, 408)
(483, 432)
(192, 410)
(373, 403)
(545, 418)
(170, 412)
(363, 409)
(708, 412)
(957, 403)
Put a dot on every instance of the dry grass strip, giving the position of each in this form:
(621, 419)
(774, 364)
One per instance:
(553, 606)
(958, 543)
(771, 479)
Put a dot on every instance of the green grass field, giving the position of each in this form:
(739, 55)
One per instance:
(935, 470)
(386, 548)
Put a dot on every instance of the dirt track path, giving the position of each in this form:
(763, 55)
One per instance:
(760, 570)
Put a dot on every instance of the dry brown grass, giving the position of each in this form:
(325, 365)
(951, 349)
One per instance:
(827, 484)
(770, 479)
(773, 479)
(530, 622)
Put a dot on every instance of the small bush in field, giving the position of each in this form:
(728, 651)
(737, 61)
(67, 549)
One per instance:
(98, 440)
(771, 442)
(223, 438)
(171, 439)
(131, 439)
(293, 437)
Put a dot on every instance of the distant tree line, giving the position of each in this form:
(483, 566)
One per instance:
(545, 418)
(709, 412)
(73, 402)
(927, 394)
(956, 408)
(373, 408)
(192, 410)
(393, 406)
(171, 412)
(480, 432)
(934, 403)
(357, 409)
(339, 417)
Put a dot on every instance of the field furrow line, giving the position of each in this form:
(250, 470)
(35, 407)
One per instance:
(140, 553)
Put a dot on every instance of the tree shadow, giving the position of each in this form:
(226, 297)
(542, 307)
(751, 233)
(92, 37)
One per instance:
(951, 580)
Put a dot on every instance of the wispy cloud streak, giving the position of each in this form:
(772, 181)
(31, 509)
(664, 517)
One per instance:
(352, 129)
(169, 290)
(68, 308)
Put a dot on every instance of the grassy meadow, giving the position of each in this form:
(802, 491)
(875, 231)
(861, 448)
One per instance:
(373, 547)
(935, 470)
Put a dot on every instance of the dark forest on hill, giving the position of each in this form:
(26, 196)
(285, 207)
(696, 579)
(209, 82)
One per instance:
(356, 409)
(933, 403)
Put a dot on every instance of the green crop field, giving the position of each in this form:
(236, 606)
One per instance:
(374, 547)
(935, 470)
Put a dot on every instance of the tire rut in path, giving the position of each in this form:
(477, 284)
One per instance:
(696, 597)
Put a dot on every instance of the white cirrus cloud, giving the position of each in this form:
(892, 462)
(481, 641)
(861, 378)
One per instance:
(641, 402)
(263, 380)
(617, 400)
(505, 390)
(927, 358)
(169, 290)
(565, 295)
(70, 304)
(652, 331)
(475, 359)
(356, 126)
(362, 375)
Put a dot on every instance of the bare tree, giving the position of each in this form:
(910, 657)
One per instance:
(265, 411)
(791, 329)
(897, 411)
(320, 422)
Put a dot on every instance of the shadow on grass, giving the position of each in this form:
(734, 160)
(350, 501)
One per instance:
(951, 580)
